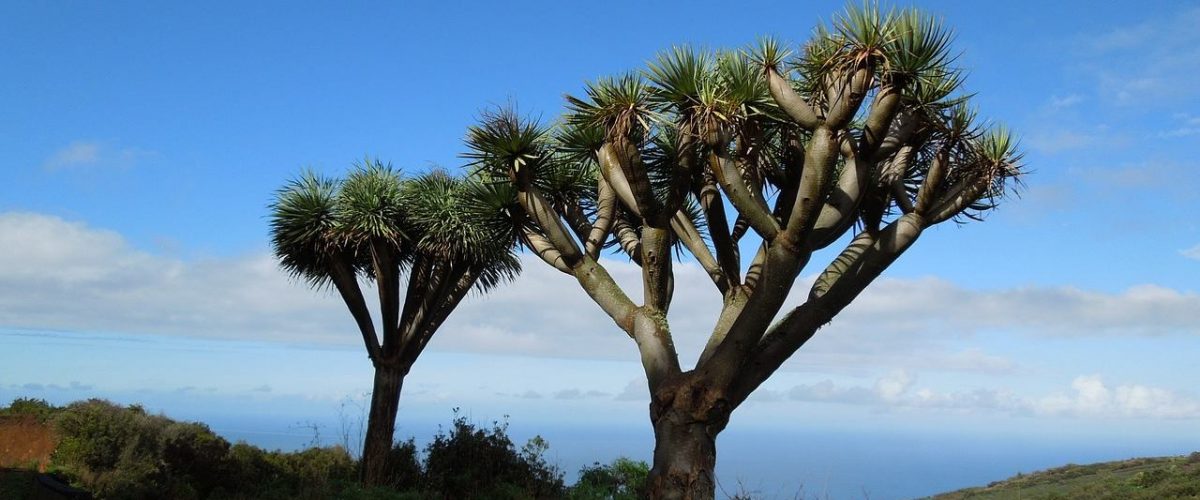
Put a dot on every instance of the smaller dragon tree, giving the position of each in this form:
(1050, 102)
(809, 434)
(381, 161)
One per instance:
(424, 243)
(751, 162)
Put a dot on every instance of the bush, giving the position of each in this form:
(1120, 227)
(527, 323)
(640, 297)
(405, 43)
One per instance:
(193, 453)
(623, 479)
(37, 408)
(124, 453)
(1146, 479)
(471, 462)
(404, 465)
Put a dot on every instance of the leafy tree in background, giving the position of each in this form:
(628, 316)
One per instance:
(441, 235)
(750, 161)
(623, 479)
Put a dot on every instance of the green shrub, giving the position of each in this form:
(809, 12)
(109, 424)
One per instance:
(37, 408)
(404, 465)
(124, 453)
(1146, 479)
(193, 454)
(623, 479)
(472, 462)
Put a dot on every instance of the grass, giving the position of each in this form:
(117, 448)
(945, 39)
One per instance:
(16, 484)
(1134, 479)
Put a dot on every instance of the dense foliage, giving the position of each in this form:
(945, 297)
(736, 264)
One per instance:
(120, 452)
(1136, 479)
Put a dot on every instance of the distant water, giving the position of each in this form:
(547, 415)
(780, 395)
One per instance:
(821, 452)
(809, 465)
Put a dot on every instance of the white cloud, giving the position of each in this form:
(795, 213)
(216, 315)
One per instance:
(893, 385)
(90, 154)
(635, 390)
(1058, 103)
(1188, 125)
(1141, 64)
(1091, 397)
(78, 153)
(1088, 397)
(1057, 141)
(56, 274)
(1191, 253)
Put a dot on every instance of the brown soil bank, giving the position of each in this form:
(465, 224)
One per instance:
(26, 443)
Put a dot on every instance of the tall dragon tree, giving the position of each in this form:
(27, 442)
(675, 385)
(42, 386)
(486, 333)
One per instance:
(750, 161)
(424, 243)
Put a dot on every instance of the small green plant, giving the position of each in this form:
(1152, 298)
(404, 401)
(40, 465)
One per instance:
(37, 408)
(473, 462)
(622, 479)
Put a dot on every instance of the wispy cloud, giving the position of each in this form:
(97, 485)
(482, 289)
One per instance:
(1141, 64)
(1191, 253)
(1057, 141)
(94, 154)
(1088, 397)
(1186, 125)
(58, 274)
(1057, 103)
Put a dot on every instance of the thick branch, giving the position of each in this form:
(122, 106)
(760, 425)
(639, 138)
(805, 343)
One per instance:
(387, 279)
(879, 120)
(780, 269)
(837, 215)
(819, 162)
(687, 233)
(621, 165)
(845, 94)
(629, 240)
(790, 102)
(343, 277)
(718, 231)
(547, 219)
(959, 197)
(656, 268)
(432, 321)
(732, 184)
(659, 359)
(606, 214)
(610, 170)
(438, 293)
(544, 250)
(863, 260)
(420, 274)
(933, 180)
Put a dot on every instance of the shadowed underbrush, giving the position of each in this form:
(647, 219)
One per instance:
(124, 452)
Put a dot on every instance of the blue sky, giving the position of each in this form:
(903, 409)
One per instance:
(143, 143)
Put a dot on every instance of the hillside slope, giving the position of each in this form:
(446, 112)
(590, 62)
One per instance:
(1135, 479)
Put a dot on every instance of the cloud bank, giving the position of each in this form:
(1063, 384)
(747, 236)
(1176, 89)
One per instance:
(63, 275)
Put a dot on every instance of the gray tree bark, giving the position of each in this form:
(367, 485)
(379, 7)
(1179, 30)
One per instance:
(381, 423)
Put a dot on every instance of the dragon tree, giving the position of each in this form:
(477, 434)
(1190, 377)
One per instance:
(750, 161)
(425, 243)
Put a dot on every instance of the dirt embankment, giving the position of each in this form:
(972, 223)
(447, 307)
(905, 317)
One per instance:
(26, 443)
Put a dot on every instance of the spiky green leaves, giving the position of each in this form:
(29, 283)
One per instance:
(304, 227)
(457, 220)
(369, 206)
(507, 148)
(901, 47)
(317, 222)
(621, 106)
(503, 144)
(769, 53)
(917, 45)
(979, 164)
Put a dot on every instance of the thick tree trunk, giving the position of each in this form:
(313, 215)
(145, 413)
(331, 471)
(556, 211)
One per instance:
(381, 423)
(686, 424)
